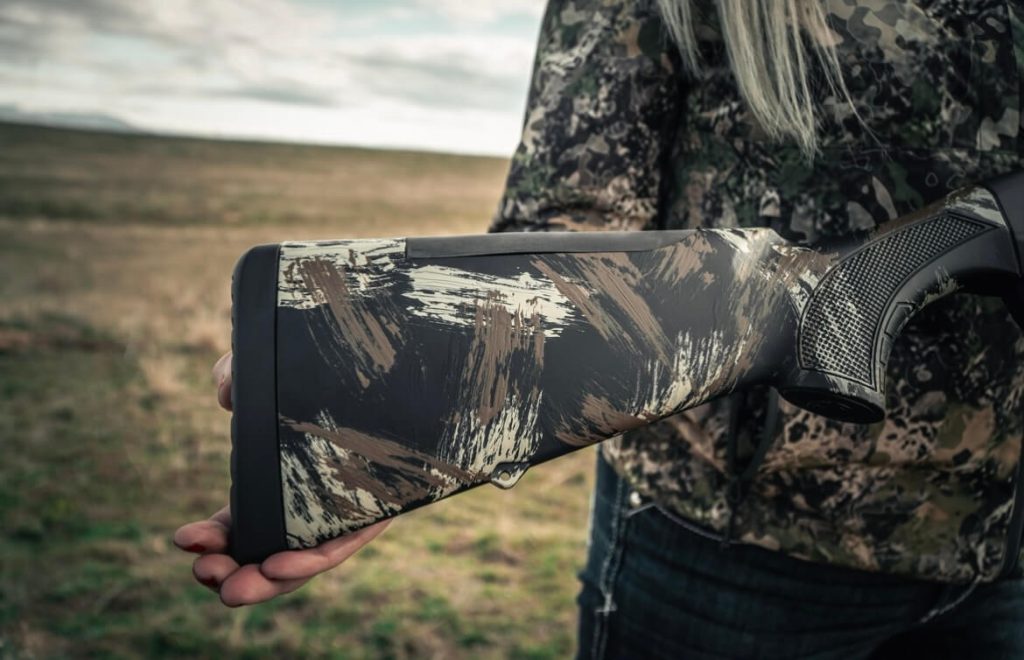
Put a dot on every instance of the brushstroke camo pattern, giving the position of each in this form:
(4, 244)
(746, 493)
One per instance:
(616, 136)
(406, 375)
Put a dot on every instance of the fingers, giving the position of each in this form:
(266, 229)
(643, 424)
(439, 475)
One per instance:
(213, 570)
(280, 574)
(222, 376)
(248, 586)
(217, 571)
(237, 585)
(304, 564)
(206, 535)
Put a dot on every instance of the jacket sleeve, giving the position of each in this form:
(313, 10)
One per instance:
(603, 99)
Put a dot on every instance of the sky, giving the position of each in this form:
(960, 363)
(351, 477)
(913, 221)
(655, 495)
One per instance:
(442, 75)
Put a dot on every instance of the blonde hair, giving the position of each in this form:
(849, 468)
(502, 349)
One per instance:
(770, 60)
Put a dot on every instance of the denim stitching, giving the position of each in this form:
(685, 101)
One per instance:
(609, 571)
(591, 517)
(939, 610)
(640, 509)
(687, 525)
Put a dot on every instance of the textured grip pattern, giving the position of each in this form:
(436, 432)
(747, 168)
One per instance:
(842, 319)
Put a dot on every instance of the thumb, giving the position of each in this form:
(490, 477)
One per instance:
(222, 376)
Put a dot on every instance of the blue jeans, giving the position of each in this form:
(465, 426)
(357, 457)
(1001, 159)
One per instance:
(655, 586)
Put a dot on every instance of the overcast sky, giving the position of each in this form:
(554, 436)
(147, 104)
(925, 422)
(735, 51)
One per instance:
(445, 75)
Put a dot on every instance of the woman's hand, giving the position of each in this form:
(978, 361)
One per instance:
(278, 574)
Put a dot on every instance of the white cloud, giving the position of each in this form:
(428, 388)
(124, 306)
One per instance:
(270, 59)
(471, 11)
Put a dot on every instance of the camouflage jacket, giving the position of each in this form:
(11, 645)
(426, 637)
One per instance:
(616, 136)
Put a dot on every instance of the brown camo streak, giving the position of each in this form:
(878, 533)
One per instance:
(357, 326)
(497, 334)
(612, 281)
(606, 420)
(581, 299)
(676, 263)
(417, 468)
(502, 368)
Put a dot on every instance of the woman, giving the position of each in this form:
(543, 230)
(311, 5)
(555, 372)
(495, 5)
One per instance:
(748, 527)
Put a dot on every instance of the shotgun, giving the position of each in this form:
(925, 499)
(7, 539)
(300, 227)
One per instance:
(372, 377)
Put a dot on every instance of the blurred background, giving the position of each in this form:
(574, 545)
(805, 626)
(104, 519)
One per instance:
(144, 144)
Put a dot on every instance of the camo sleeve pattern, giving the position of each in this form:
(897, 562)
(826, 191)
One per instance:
(603, 95)
(929, 492)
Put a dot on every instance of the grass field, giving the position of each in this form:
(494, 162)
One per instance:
(115, 258)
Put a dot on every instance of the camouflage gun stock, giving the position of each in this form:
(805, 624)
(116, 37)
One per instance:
(376, 376)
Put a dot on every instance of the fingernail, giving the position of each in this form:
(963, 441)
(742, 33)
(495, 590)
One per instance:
(195, 547)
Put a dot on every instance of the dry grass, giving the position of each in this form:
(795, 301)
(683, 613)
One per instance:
(115, 259)
(127, 179)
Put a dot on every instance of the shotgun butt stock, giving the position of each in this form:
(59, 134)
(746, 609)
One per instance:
(376, 376)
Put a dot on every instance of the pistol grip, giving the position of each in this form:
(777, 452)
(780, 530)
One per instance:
(859, 307)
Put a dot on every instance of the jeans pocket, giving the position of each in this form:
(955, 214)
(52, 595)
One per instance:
(683, 523)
